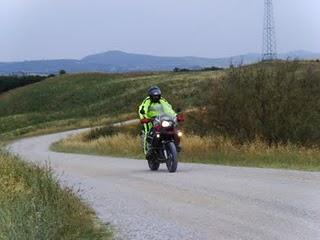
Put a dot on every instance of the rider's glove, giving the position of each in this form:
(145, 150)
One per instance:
(180, 118)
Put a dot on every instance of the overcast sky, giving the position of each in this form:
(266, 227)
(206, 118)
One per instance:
(47, 29)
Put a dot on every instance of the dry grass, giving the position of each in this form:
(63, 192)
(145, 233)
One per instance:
(210, 150)
(117, 145)
(219, 150)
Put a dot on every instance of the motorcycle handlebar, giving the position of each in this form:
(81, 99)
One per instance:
(145, 120)
(180, 118)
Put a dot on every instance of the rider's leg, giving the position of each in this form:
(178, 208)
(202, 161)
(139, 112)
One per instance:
(144, 137)
(145, 143)
(148, 143)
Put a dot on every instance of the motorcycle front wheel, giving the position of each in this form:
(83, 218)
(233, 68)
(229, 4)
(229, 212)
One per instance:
(153, 165)
(172, 161)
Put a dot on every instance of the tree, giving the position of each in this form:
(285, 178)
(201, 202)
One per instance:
(61, 72)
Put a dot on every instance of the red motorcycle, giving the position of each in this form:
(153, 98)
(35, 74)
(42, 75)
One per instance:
(164, 141)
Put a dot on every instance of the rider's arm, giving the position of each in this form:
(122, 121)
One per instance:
(143, 108)
(141, 112)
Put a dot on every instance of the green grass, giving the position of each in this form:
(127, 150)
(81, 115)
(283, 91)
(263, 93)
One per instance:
(33, 205)
(71, 98)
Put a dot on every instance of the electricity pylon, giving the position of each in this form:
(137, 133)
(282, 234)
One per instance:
(269, 51)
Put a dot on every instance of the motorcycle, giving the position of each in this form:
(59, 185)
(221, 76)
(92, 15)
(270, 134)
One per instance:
(164, 140)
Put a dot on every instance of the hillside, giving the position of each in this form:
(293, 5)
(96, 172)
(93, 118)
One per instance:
(72, 99)
(79, 100)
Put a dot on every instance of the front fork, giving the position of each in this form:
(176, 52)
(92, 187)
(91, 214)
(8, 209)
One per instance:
(165, 153)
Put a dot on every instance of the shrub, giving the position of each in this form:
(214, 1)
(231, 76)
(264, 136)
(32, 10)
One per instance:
(62, 72)
(278, 104)
(181, 70)
(96, 133)
(109, 131)
(10, 82)
(213, 68)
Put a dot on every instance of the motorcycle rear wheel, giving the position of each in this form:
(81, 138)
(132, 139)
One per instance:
(172, 161)
(153, 165)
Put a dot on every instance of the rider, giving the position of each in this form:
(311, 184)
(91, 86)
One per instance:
(152, 106)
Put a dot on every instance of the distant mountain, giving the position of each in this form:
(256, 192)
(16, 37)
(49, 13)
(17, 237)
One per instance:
(122, 61)
(301, 54)
(117, 61)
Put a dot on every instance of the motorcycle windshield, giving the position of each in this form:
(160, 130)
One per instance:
(166, 117)
(160, 110)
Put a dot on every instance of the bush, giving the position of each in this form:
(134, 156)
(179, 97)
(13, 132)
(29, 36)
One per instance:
(62, 72)
(279, 104)
(213, 68)
(10, 82)
(181, 70)
(96, 133)
(109, 131)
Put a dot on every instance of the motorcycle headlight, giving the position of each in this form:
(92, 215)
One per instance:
(165, 124)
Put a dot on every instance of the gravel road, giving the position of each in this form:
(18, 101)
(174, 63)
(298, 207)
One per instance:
(197, 202)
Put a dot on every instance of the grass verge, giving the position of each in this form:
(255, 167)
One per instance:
(208, 150)
(34, 206)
